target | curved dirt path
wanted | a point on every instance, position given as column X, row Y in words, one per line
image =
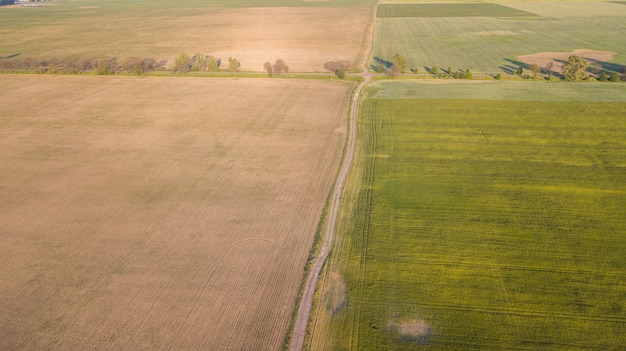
column 306, row 302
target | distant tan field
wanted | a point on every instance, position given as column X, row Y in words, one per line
column 160, row 213
column 305, row 38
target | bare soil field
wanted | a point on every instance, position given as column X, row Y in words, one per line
column 304, row 37
column 160, row 213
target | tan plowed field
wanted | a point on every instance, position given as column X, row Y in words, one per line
column 160, row 213
column 306, row 38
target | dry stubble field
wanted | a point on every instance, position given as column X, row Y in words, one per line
column 304, row 37
column 160, row 213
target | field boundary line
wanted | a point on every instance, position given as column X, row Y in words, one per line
column 306, row 303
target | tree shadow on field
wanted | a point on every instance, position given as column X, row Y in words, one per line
column 517, row 63
column 508, row 69
column 607, row 66
column 11, row 56
column 383, row 62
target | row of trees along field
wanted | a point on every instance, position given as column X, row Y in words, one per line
column 133, row 65
column 203, row 63
column 183, row 63
column 574, row 69
column 398, row 65
column 196, row 63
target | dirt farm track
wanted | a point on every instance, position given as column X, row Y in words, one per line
column 160, row 213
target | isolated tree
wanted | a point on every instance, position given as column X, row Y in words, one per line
column 449, row 71
column 334, row 66
column 574, row 68
column 148, row 64
column 468, row 74
column 340, row 73
column 498, row 76
column 548, row 69
column 534, row 69
column 104, row 68
column 280, row 66
column 182, row 63
column 393, row 71
column 199, row 62
column 213, row 64
column 268, row 68
column 519, row 70
column 233, row 65
column 604, row 77
column 380, row 68
column 129, row 64
column 614, row 77
column 434, row 70
column 399, row 62
column 138, row 69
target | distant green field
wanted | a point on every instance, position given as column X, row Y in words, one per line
column 483, row 225
column 489, row 44
column 448, row 10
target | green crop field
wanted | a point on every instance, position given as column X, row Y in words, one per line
column 448, row 10
column 481, row 225
column 491, row 44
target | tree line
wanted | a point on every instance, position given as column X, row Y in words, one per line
column 398, row 65
column 132, row 65
column 183, row 63
column 574, row 69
